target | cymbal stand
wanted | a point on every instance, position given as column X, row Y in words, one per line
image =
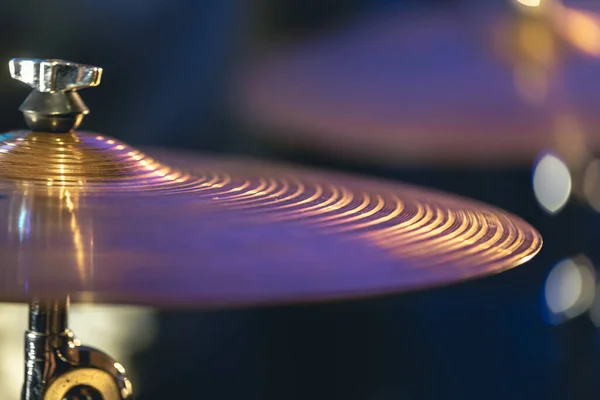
column 58, row 367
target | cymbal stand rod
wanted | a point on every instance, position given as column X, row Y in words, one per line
column 47, row 332
column 49, row 317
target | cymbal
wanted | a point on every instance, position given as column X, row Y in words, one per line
column 235, row 232
column 406, row 90
column 86, row 215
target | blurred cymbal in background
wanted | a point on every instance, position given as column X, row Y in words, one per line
column 433, row 90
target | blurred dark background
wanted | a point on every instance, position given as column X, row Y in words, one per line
column 173, row 70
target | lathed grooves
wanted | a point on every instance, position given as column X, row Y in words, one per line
column 195, row 222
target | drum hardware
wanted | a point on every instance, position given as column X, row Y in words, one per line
column 58, row 367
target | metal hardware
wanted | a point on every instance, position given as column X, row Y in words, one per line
column 58, row 367
column 54, row 104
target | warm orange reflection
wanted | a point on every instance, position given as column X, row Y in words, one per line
column 582, row 30
column 81, row 161
column 536, row 40
column 32, row 214
column 530, row 45
column 83, row 264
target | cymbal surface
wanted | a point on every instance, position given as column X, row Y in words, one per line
column 119, row 227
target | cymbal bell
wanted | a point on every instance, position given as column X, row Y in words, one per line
column 86, row 215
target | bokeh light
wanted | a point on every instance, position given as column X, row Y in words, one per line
column 530, row 3
column 552, row 183
column 570, row 289
column 591, row 184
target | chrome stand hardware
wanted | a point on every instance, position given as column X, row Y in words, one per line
column 58, row 367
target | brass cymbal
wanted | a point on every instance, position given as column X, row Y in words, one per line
column 107, row 223
column 86, row 215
